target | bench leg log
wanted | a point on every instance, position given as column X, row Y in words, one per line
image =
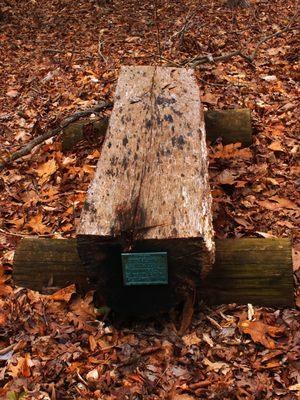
column 257, row 271
column 231, row 126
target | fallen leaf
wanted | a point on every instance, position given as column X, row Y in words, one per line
column 210, row 98
column 285, row 203
column 295, row 387
column 276, row 146
column 64, row 294
column 46, row 170
column 182, row 397
column 208, row 339
column 36, row 224
column 269, row 78
column 272, row 181
column 232, row 150
column 216, row 366
column 226, row 177
column 92, row 375
column 269, row 205
column 266, row 235
column 5, row 289
column 27, row 363
column 83, row 307
column 92, row 342
column 12, row 93
column 286, row 224
column 261, row 332
column 250, row 311
column 191, row 339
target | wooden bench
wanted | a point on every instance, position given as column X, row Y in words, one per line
column 145, row 238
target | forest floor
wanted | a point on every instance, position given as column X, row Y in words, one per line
column 59, row 56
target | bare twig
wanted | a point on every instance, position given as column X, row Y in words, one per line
column 24, row 151
column 100, row 48
column 61, row 51
column 222, row 84
column 157, row 28
column 195, row 61
column 264, row 39
column 23, row 235
column 186, row 25
column 54, row 51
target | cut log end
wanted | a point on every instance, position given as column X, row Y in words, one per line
column 231, row 126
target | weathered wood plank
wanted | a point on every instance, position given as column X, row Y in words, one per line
column 267, row 282
column 150, row 191
column 153, row 168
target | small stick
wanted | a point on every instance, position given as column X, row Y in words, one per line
column 54, row 51
column 24, row 151
column 157, row 28
column 100, row 47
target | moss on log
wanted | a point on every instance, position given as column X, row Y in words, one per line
column 257, row 271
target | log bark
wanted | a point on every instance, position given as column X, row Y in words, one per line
column 150, row 192
column 257, row 271
column 230, row 125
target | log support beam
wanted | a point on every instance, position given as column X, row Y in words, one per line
column 257, row 271
column 231, row 126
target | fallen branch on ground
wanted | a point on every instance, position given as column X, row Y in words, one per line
column 195, row 61
column 58, row 51
column 24, row 151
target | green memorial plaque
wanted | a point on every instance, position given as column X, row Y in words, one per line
column 145, row 268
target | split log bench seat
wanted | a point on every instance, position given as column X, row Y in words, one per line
column 150, row 194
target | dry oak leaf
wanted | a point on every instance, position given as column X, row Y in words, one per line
column 295, row 387
column 226, row 177
column 284, row 203
column 45, row 170
column 83, row 307
column 232, row 150
column 22, row 368
column 4, row 289
column 12, row 93
column 191, row 339
column 216, row 366
column 278, row 203
column 261, row 332
column 276, row 146
column 64, row 294
column 3, row 318
column 37, row 225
